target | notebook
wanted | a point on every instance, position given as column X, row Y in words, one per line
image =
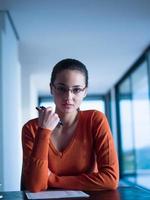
column 56, row 194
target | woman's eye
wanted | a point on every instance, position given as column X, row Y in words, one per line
column 61, row 89
column 76, row 90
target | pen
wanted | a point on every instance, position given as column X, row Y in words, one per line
column 60, row 123
column 41, row 107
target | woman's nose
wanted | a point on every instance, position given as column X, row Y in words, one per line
column 69, row 94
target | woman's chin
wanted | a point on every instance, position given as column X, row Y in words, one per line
column 68, row 109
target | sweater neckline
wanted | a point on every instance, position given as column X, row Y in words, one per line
column 71, row 142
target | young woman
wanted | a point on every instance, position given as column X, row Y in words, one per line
column 68, row 148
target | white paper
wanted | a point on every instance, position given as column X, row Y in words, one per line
column 55, row 194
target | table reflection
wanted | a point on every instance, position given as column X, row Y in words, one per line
column 1, row 196
column 104, row 195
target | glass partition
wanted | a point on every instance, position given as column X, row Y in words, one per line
column 133, row 95
column 126, row 122
column 89, row 103
column 141, row 116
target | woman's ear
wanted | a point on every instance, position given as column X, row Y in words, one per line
column 51, row 90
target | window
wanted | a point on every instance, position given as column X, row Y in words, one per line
column 133, row 103
column 93, row 103
column 141, row 116
column 90, row 102
column 126, row 123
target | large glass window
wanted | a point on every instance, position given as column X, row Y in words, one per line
column 89, row 103
column 93, row 103
column 126, row 124
column 141, row 116
column 133, row 94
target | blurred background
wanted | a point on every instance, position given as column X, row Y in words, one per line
column 112, row 38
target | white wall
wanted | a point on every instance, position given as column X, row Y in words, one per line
column 25, row 95
column 1, row 138
column 33, row 96
column 11, row 107
column 29, row 95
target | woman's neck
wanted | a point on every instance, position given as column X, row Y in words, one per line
column 68, row 119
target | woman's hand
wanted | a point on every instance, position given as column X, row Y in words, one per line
column 47, row 118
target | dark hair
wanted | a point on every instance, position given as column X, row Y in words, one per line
column 70, row 64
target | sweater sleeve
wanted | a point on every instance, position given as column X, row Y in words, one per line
column 35, row 158
column 107, row 175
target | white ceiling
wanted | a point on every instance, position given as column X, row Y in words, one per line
column 107, row 35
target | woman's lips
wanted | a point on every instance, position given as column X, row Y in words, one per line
column 67, row 104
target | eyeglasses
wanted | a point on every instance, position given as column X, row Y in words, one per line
column 60, row 89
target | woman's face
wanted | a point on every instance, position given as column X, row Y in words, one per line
column 68, row 90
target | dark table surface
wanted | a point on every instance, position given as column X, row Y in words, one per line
column 122, row 193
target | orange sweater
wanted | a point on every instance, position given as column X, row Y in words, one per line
column 89, row 162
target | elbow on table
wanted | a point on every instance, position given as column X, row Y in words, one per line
column 108, row 186
column 113, row 180
column 35, row 188
column 113, row 184
column 109, row 183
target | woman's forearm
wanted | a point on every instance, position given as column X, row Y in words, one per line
column 35, row 162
